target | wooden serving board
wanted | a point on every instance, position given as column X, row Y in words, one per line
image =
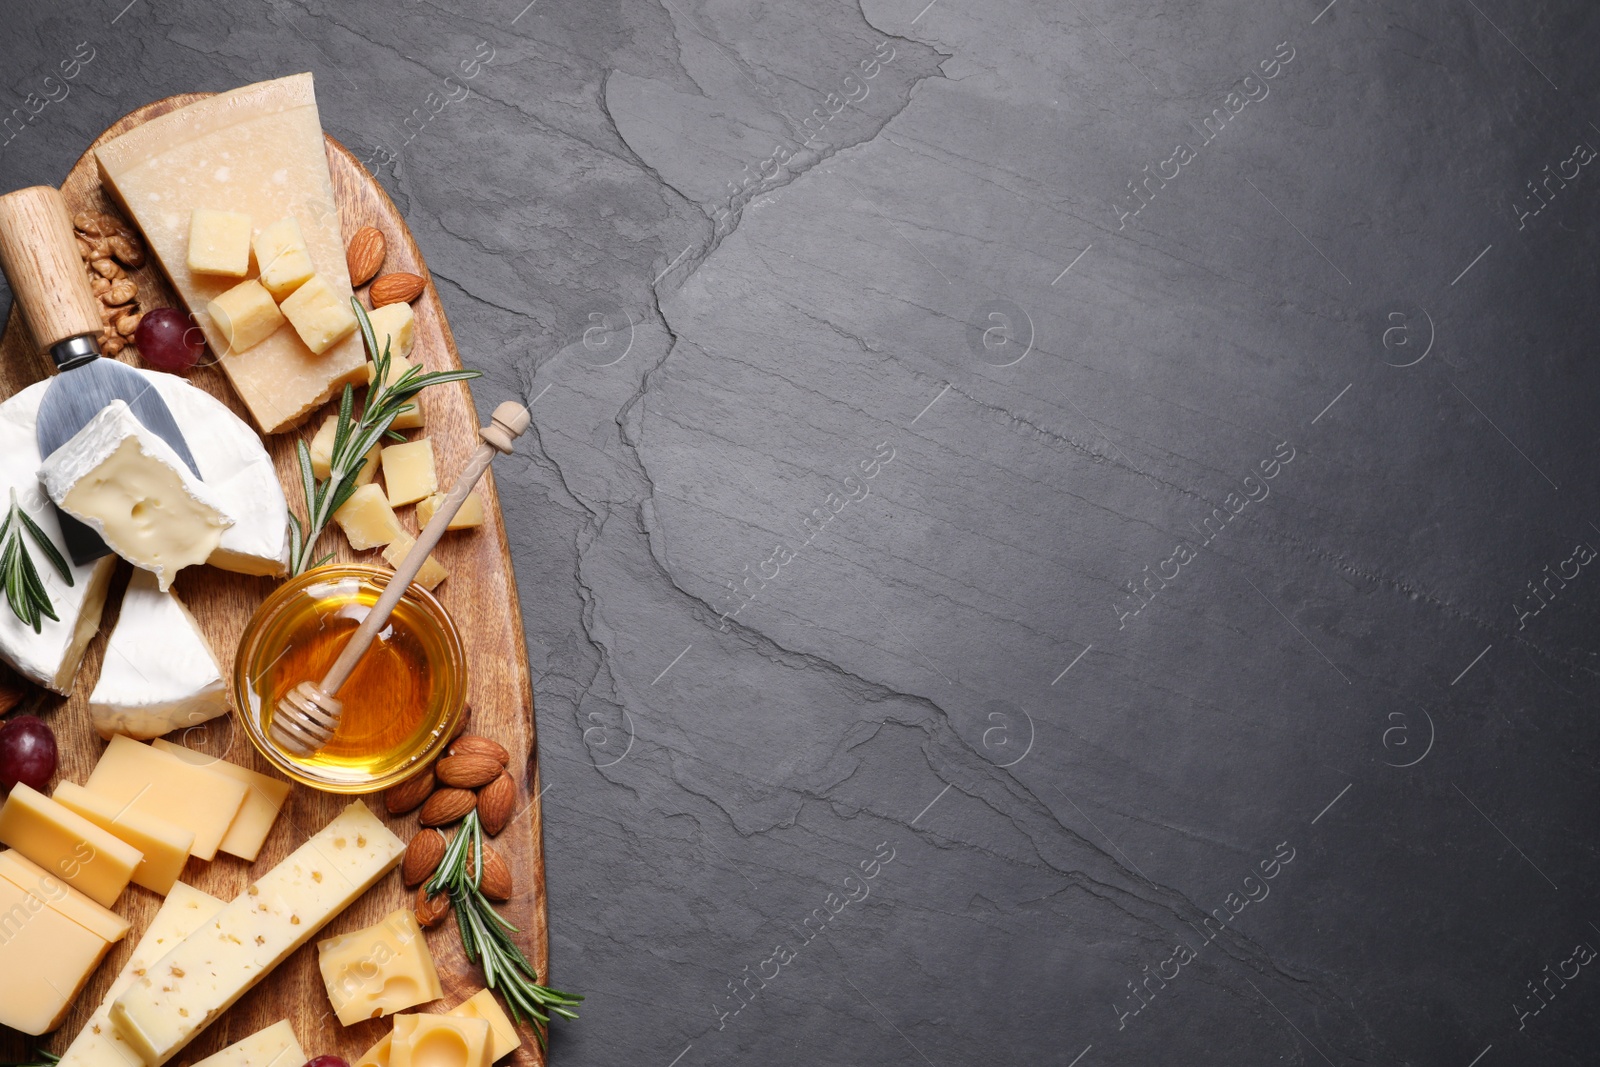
column 480, row 594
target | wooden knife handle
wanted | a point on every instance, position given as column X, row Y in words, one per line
column 39, row 253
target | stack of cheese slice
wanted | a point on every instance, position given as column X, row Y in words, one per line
column 235, row 469
column 258, row 151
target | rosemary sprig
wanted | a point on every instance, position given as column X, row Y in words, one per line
column 353, row 438
column 486, row 935
column 25, row 592
column 39, row 1058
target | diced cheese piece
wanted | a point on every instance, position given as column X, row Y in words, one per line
column 320, row 313
column 45, row 960
column 367, row 519
column 321, row 449
column 258, row 149
column 245, row 316
column 282, row 259
column 50, row 657
column 378, row 970
column 408, row 472
column 432, row 572
column 503, row 1036
column 93, row 861
column 99, row 920
column 470, row 513
column 164, row 846
column 249, row 829
column 130, row 487
column 182, row 913
column 276, row 1046
column 440, row 1041
column 159, row 673
column 162, row 785
column 394, row 325
column 189, row 987
column 219, row 242
column 378, row 1054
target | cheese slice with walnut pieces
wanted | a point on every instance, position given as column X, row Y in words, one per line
column 182, row 913
column 182, row 993
column 257, row 150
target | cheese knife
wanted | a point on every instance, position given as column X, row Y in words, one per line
column 39, row 254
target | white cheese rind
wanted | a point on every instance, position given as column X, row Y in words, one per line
column 159, row 673
column 127, row 484
column 164, row 1009
column 183, row 912
column 50, row 657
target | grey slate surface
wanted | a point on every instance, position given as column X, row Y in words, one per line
column 991, row 516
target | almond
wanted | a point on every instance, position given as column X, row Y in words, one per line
column 396, row 288
column 431, row 911
column 365, row 255
column 447, row 806
column 422, row 857
column 410, row 793
column 468, row 770
column 475, row 745
column 495, row 801
column 496, row 883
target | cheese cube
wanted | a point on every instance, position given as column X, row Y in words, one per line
column 202, row 976
column 321, row 449
column 165, row 846
column 246, row 315
column 379, row 970
column 249, row 829
column 468, row 515
column 320, row 314
column 45, row 960
column 378, row 1054
column 408, row 472
column 410, row 417
column 276, row 1046
column 101, row 921
column 440, row 1041
column 432, row 572
column 503, row 1035
column 367, row 519
column 130, row 487
column 93, row 861
column 158, row 673
column 219, row 242
column 394, row 325
column 282, row 259
column 148, row 780
column 97, row 1044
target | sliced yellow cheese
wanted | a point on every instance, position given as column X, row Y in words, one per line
column 101, row 921
column 321, row 449
column 182, row 913
column 45, row 961
column 282, row 259
column 408, row 472
column 249, row 829
column 470, row 513
column 219, row 242
column 367, row 519
column 379, row 970
column 93, row 861
column 165, row 846
column 432, row 572
column 192, row 985
column 245, row 316
column 275, row 1046
column 148, row 780
column 320, row 313
column 503, row 1034
column 440, row 1041
column 259, row 150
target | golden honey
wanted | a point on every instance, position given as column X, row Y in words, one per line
column 401, row 704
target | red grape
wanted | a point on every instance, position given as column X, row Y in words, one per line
column 326, row 1061
column 27, row 752
column 169, row 341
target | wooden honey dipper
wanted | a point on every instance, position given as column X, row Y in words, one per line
column 308, row 715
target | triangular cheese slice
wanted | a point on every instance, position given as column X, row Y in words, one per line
column 159, row 673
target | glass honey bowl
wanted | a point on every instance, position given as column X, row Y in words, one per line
column 403, row 702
